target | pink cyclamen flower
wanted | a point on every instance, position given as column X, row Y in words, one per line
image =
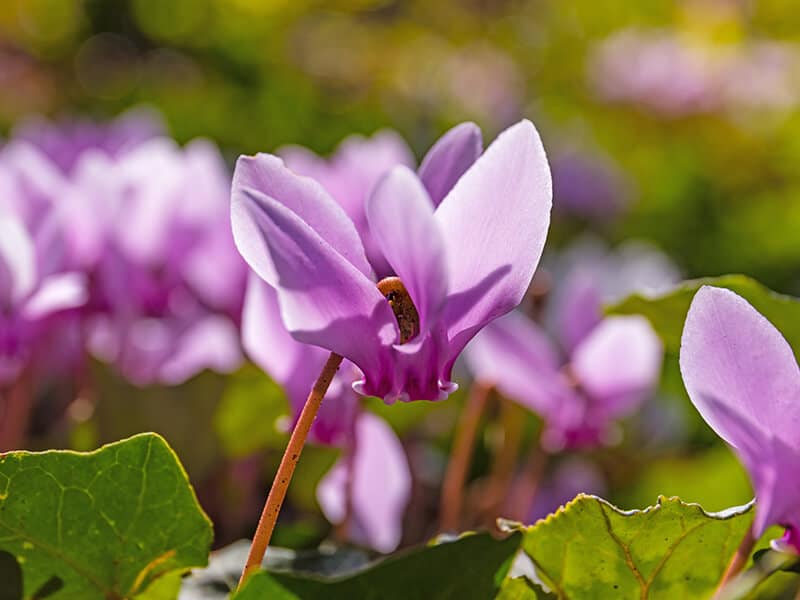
column 743, row 378
column 463, row 263
column 374, row 470
column 31, row 295
column 606, row 377
column 168, row 283
column 380, row 486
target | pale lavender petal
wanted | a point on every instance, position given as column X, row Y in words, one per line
column 324, row 299
column 212, row 343
column 400, row 215
column 57, row 293
column 731, row 353
column 495, row 221
column 513, row 354
column 304, row 197
column 449, row 158
column 17, row 262
column 264, row 336
column 381, row 486
column 578, row 307
column 619, row 363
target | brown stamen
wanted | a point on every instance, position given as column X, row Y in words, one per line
column 402, row 306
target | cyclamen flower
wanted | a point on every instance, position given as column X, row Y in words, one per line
column 462, row 263
column 586, row 371
column 380, row 486
column 604, row 379
column 31, row 295
column 374, row 458
column 743, row 378
column 168, row 284
column 296, row 366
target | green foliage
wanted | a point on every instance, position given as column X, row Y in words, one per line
column 100, row 525
column 667, row 313
column 591, row 549
column 518, row 588
column 473, row 566
column 248, row 416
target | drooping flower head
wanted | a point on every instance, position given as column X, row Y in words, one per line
column 606, row 378
column 460, row 264
column 373, row 474
column 743, row 378
column 585, row 371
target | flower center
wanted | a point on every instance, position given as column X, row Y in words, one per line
column 402, row 306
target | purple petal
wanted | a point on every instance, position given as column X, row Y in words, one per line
column 400, row 215
column 324, row 299
column 619, row 363
column 731, row 353
column 212, row 343
column 17, row 262
column 381, row 486
column 578, row 307
column 513, row 354
column 57, row 293
column 449, row 158
column 495, row 222
column 302, row 196
column 296, row 366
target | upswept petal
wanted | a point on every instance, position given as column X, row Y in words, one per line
column 449, row 158
column 324, row 299
column 516, row 356
column 56, row 293
column 264, row 337
column 212, row 343
column 381, row 486
column 619, row 363
column 302, row 196
column 730, row 352
column 400, row 215
column 494, row 222
column 17, row 262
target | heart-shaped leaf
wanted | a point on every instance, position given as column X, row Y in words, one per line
column 100, row 525
column 591, row 549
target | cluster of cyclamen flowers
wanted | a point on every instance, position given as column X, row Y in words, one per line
column 117, row 243
column 114, row 245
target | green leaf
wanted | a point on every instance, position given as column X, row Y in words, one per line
column 518, row 588
column 591, row 549
column 105, row 524
column 249, row 414
column 667, row 313
column 473, row 566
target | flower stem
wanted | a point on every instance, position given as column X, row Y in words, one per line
column 15, row 411
column 738, row 561
column 461, row 456
column 502, row 471
column 532, row 472
column 280, row 484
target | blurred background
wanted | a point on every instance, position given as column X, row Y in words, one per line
column 673, row 123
